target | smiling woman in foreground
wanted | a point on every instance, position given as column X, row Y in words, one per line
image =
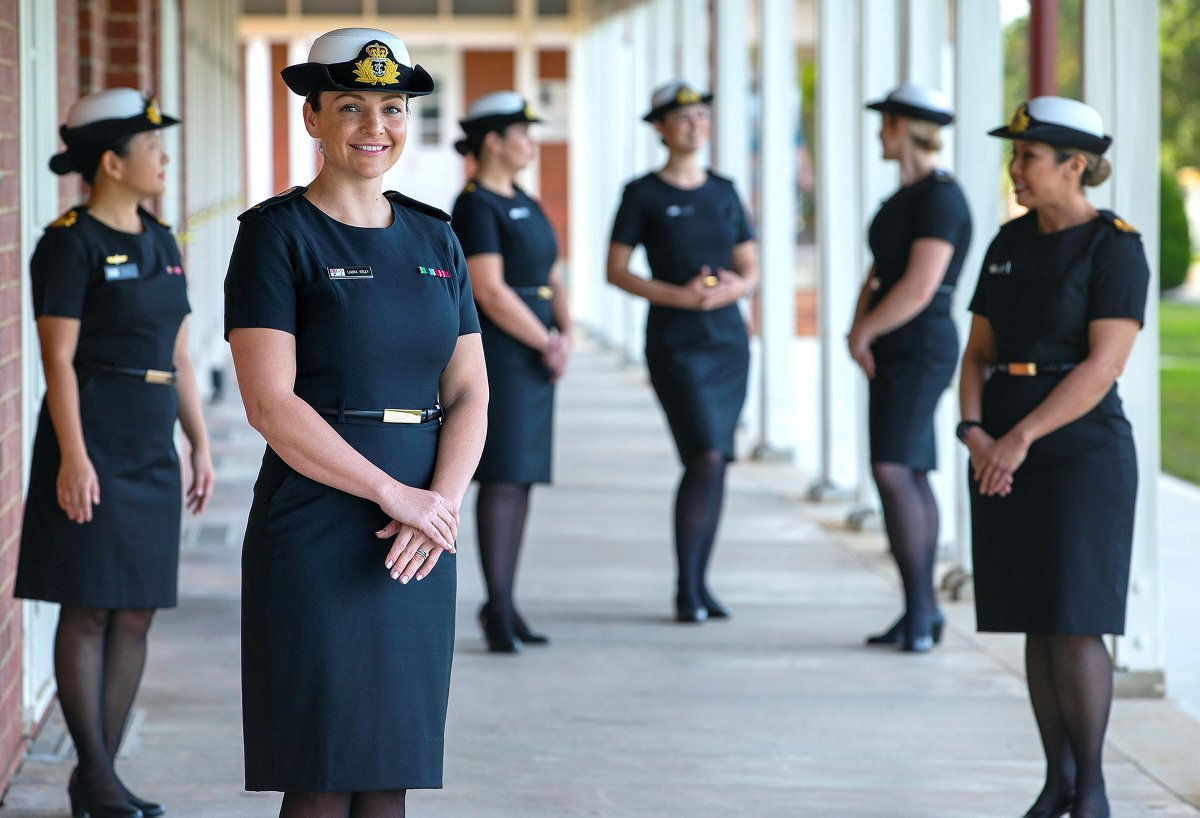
column 357, row 348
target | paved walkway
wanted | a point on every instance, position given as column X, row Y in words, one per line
column 778, row 712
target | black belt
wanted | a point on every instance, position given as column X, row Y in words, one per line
column 1029, row 370
column 159, row 376
column 544, row 292
column 407, row 416
column 876, row 283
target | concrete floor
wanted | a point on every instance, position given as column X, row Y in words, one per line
column 778, row 712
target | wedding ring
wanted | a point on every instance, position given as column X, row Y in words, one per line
column 422, row 554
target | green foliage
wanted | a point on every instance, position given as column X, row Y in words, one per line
column 1179, row 381
column 1070, row 50
column 1179, row 331
column 1174, row 240
column 1179, row 42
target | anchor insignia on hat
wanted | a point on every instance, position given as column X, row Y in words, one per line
column 687, row 96
column 152, row 112
column 377, row 68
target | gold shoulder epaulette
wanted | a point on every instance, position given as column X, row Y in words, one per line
column 65, row 220
column 1123, row 225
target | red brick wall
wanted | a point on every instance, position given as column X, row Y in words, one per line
column 93, row 46
column 279, row 119
column 555, row 171
column 11, row 740
column 129, row 29
column 71, row 46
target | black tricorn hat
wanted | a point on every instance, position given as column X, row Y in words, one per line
column 98, row 120
column 1058, row 121
column 358, row 59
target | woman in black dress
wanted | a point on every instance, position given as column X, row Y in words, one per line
column 1059, row 303
column 357, row 349
column 526, row 328
column 906, row 343
column 101, row 527
column 702, row 259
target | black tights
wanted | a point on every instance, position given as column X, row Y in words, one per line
column 500, row 511
column 1071, row 686
column 697, row 514
column 99, row 656
column 910, row 516
column 373, row 804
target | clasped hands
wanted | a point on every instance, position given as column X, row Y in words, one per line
column 702, row 295
column 556, row 354
column 858, row 341
column 423, row 521
column 993, row 462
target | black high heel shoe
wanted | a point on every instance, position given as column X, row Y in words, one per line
column 921, row 634
column 498, row 633
column 689, row 612
column 714, row 607
column 1062, row 807
column 527, row 635
column 83, row 808
column 148, row 808
column 895, row 634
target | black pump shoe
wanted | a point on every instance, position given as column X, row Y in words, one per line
column 1055, row 810
column 498, row 633
column 922, row 634
column 148, row 808
column 692, row 614
column 895, row 634
column 526, row 634
column 82, row 808
column 715, row 609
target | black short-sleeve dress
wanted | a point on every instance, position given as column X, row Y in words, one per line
column 345, row 672
column 519, row 447
column 915, row 362
column 699, row 362
column 129, row 294
column 1053, row 556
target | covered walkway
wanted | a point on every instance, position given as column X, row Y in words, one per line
column 778, row 712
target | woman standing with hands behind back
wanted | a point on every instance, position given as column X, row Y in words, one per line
column 702, row 260
column 1059, row 304
column 526, row 329
column 350, row 317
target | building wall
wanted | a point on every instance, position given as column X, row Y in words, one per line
column 11, row 739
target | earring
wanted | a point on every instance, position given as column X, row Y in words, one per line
column 320, row 147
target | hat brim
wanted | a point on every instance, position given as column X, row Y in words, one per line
column 95, row 136
column 891, row 106
column 658, row 113
column 496, row 122
column 304, row 78
column 1059, row 136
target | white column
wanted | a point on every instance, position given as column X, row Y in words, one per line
column 1121, row 69
column 923, row 41
column 259, row 82
column 525, row 80
column 978, row 106
column 730, row 89
column 169, row 96
column 839, row 240
column 692, row 40
column 778, row 108
column 586, row 264
column 302, row 159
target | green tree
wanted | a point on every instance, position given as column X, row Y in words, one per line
column 1174, row 243
column 1179, row 42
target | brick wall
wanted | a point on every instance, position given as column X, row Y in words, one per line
column 92, row 31
column 71, row 47
column 129, row 29
column 11, row 741
column 280, row 156
column 555, row 171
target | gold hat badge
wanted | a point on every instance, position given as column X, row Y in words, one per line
column 377, row 68
column 152, row 112
column 1020, row 120
column 686, row 96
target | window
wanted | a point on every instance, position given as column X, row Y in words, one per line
column 407, row 6
column 506, row 7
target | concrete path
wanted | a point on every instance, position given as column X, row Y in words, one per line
column 778, row 712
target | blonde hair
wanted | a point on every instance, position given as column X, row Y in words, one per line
column 1094, row 173
column 926, row 136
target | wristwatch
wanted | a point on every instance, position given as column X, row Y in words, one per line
column 963, row 429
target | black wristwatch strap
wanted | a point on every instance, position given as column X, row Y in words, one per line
column 964, row 429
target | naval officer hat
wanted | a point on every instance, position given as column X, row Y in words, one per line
column 1057, row 121
column 97, row 121
column 672, row 95
column 916, row 102
column 358, row 59
column 493, row 112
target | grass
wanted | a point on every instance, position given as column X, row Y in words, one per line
column 1179, row 374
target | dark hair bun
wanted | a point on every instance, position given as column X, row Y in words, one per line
column 463, row 146
column 62, row 163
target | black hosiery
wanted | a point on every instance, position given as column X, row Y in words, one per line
column 1083, row 685
column 697, row 515
column 910, row 518
column 315, row 805
column 124, row 661
column 1060, row 760
column 378, row 804
column 500, row 511
column 79, row 661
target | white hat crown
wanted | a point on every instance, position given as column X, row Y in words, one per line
column 497, row 103
column 919, row 96
column 1069, row 113
column 114, row 103
column 669, row 92
column 344, row 44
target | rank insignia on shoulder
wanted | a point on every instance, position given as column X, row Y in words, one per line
column 1123, row 225
column 65, row 220
column 470, row 188
column 433, row 271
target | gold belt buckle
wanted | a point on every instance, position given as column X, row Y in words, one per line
column 401, row 415
column 545, row 293
column 1026, row 370
column 711, row 281
column 159, row 376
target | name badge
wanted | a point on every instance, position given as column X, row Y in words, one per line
column 518, row 213
column 676, row 211
column 999, row 268
column 120, row 272
column 343, row 273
